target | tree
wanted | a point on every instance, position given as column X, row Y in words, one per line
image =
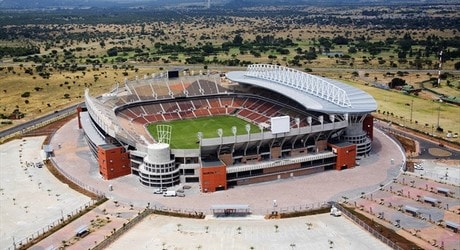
column 406, row 42
column 310, row 55
column 325, row 43
column 374, row 50
column 352, row 50
column 340, row 40
column 112, row 52
column 237, row 40
column 396, row 82
column 457, row 66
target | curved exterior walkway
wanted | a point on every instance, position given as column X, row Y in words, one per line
column 75, row 159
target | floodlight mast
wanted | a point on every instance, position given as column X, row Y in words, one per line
column 248, row 129
column 234, row 131
column 220, row 132
column 440, row 69
column 332, row 118
column 309, row 121
column 199, row 135
column 261, row 127
column 297, row 123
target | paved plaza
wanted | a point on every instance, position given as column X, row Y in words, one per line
column 31, row 197
column 160, row 232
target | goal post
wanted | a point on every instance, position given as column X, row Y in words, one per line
column 164, row 133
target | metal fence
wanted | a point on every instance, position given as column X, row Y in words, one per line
column 291, row 209
column 361, row 223
column 18, row 244
column 117, row 233
column 255, row 211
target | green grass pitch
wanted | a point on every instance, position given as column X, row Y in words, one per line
column 184, row 132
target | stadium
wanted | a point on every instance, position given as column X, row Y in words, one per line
column 266, row 123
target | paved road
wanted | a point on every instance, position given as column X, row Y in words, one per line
column 23, row 126
column 424, row 143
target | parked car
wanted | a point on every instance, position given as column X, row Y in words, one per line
column 418, row 166
column 170, row 194
column 160, row 190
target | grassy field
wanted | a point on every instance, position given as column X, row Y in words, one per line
column 398, row 107
column 64, row 87
column 184, row 132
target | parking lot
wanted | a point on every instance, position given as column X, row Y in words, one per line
column 414, row 204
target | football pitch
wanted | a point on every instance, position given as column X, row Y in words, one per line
column 184, row 132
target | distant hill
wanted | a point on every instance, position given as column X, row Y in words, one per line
column 62, row 4
column 49, row 4
column 249, row 3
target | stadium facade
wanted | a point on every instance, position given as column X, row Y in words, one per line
column 307, row 124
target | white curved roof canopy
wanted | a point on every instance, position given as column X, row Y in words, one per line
column 313, row 92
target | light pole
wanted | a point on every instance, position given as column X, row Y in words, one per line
column 234, row 130
column 411, row 107
column 332, row 118
column 439, row 113
column 248, row 129
column 321, row 120
column 199, row 135
column 261, row 131
column 220, row 132
column 297, row 123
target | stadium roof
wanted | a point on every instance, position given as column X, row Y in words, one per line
column 313, row 92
